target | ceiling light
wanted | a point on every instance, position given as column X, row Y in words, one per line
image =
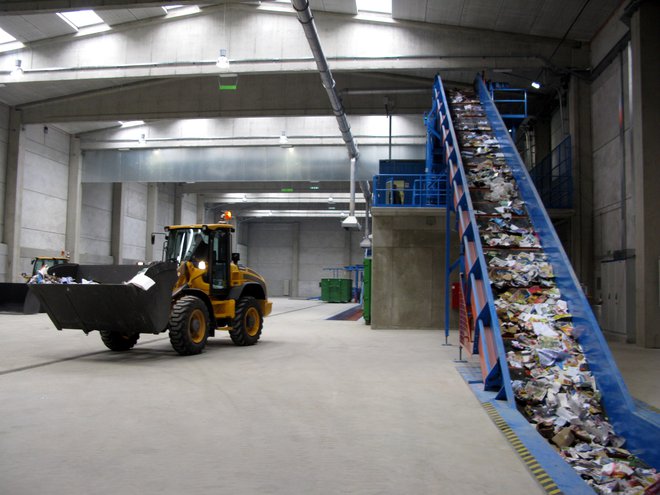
column 177, row 10
column 131, row 123
column 80, row 18
column 17, row 71
column 223, row 60
column 5, row 37
column 536, row 85
column 377, row 6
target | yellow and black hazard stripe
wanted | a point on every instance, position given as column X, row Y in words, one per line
column 530, row 461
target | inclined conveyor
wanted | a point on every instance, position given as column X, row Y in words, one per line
column 481, row 332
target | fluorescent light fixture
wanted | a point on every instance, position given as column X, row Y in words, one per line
column 5, row 37
column 177, row 10
column 223, row 60
column 374, row 6
column 536, row 85
column 283, row 138
column 131, row 123
column 80, row 18
column 17, row 71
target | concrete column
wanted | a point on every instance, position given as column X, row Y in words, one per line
column 178, row 204
column 152, row 221
column 118, row 208
column 74, row 201
column 14, row 196
column 582, row 242
column 645, row 39
column 201, row 209
column 295, row 262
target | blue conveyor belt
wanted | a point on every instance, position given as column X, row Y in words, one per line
column 639, row 427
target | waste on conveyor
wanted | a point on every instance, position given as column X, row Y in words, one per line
column 553, row 386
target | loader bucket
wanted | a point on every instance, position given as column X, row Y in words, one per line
column 15, row 298
column 111, row 304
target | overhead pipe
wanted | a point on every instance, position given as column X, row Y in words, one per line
column 306, row 19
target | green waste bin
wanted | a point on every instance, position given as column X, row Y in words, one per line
column 336, row 290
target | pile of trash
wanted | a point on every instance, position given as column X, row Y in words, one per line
column 553, row 386
column 43, row 277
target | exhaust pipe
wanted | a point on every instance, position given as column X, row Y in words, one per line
column 306, row 19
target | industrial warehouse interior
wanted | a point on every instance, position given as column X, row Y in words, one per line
column 329, row 246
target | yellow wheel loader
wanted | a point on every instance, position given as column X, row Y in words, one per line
column 198, row 289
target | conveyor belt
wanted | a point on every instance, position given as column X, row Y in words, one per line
column 526, row 316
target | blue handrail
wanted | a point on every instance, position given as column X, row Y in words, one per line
column 410, row 190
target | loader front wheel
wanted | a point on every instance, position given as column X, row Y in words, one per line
column 248, row 322
column 117, row 341
column 189, row 326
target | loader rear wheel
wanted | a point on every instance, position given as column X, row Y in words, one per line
column 117, row 341
column 189, row 326
column 248, row 322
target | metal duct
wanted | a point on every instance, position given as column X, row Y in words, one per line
column 307, row 20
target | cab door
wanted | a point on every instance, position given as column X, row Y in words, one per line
column 220, row 249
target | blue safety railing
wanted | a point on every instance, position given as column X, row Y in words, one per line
column 410, row 190
column 553, row 176
column 511, row 102
column 472, row 263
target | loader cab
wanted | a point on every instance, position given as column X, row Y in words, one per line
column 47, row 261
column 208, row 248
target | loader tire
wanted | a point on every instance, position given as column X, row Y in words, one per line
column 248, row 322
column 189, row 326
column 117, row 341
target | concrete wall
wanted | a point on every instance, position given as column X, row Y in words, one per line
column 409, row 269
column 96, row 224
column 611, row 153
column 45, row 192
column 291, row 255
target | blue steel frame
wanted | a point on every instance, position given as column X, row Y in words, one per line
column 478, row 294
column 641, row 428
column 553, row 176
column 522, row 101
column 425, row 191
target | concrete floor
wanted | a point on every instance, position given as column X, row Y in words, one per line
column 317, row 407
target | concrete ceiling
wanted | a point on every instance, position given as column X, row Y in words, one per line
column 150, row 66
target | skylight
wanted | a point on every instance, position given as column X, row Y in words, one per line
column 81, row 18
column 374, row 6
column 176, row 10
column 5, row 37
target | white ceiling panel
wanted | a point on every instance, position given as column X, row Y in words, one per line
column 480, row 13
column 121, row 16
column 338, row 6
column 518, row 16
column 445, row 12
column 410, row 10
column 555, row 17
column 593, row 18
column 35, row 27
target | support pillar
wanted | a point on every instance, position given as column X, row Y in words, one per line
column 152, row 222
column 178, row 204
column 295, row 262
column 645, row 40
column 118, row 208
column 201, row 209
column 74, row 201
column 582, row 243
column 14, row 196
